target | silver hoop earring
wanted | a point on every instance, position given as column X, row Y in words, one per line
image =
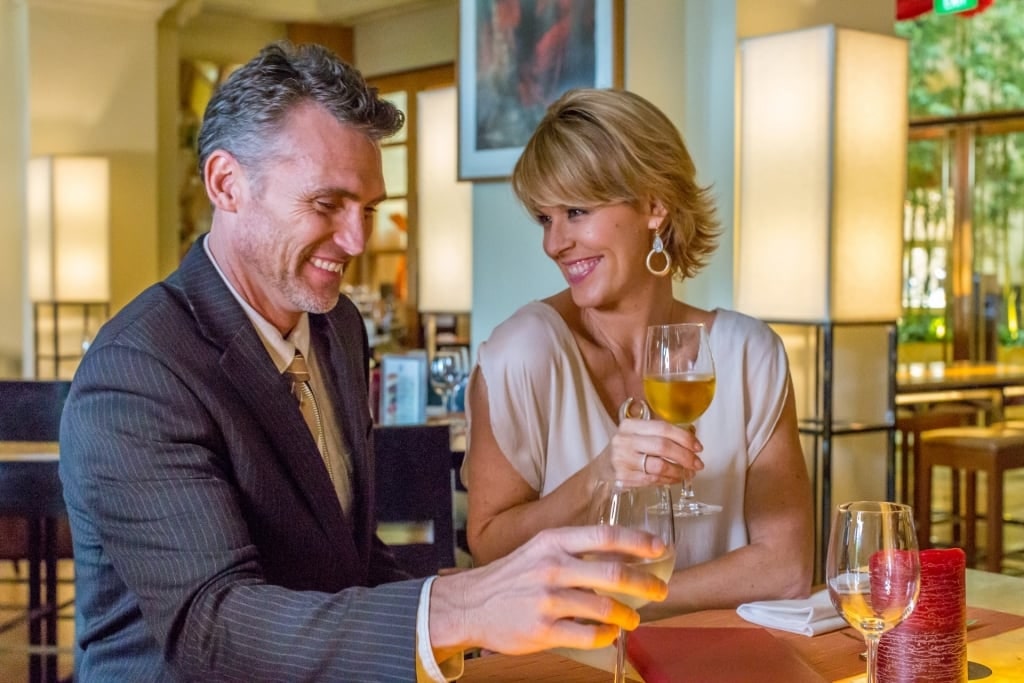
column 658, row 248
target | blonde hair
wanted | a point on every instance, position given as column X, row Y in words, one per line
column 602, row 146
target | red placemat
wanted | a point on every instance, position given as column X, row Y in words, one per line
column 715, row 655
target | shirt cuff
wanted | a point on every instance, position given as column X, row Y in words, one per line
column 428, row 668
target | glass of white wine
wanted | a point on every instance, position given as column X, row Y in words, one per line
column 872, row 569
column 647, row 508
column 679, row 383
column 445, row 373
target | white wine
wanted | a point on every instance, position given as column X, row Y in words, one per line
column 857, row 608
column 660, row 567
column 679, row 398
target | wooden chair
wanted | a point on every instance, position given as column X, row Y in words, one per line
column 33, row 526
column 992, row 450
column 414, row 485
column 912, row 422
column 30, row 410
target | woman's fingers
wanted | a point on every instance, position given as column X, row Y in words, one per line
column 654, row 452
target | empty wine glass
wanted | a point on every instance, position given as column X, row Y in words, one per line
column 445, row 374
column 679, row 383
column 646, row 508
column 873, row 570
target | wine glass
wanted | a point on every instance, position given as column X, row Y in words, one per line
column 679, row 383
column 445, row 374
column 873, row 570
column 646, row 508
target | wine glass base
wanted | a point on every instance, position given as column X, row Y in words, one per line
column 694, row 508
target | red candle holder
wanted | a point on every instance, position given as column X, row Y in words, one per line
column 930, row 646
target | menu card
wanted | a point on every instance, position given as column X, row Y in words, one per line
column 714, row 655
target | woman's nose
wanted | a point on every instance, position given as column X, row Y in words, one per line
column 556, row 237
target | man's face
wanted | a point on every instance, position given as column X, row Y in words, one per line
column 308, row 213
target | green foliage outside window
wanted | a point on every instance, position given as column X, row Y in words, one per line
column 966, row 66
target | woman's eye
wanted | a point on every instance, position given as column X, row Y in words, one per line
column 543, row 219
column 576, row 213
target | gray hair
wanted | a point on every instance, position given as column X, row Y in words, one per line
column 247, row 110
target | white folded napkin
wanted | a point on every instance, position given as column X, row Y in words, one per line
column 808, row 617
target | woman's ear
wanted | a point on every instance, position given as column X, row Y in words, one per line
column 224, row 178
column 656, row 214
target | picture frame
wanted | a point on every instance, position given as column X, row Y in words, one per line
column 513, row 64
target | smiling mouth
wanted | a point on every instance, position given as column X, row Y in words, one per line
column 329, row 266
column 580, row 269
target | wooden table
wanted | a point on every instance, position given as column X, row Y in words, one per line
column 30, row 488
column 923, row 383
column 834, row 655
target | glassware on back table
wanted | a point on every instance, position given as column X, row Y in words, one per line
column 445, row 374
column 873, row 569
column 647, row 508
column 679, row 383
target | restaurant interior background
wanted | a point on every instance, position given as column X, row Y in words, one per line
column 123, row 82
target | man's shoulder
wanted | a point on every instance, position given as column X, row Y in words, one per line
column 158, row 313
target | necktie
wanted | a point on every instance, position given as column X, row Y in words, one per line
column 298, row 372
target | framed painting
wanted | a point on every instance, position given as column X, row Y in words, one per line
column 518, row 56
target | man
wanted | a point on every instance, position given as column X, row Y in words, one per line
column 221, row 533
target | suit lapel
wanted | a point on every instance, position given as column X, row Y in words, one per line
column 247, row 369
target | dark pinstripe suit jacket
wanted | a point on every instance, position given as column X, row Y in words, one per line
column 209, row 545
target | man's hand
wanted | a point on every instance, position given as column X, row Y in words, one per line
column 536, row 597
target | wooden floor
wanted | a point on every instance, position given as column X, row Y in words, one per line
column 13, row 595
column 13, row 598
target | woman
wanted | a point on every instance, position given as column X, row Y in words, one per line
column 609, row 180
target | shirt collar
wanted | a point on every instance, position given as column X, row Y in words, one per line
column 280, row 348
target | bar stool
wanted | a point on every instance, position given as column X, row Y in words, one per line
column 992, row 450
column 912, row 422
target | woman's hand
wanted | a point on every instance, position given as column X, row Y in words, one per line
column 644, row 452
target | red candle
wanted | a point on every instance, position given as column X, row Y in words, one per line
column 930, row 646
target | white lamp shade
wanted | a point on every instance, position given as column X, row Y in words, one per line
column 822, row 159
column 445, row 228
column 69, row 229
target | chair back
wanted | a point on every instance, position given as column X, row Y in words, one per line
column 30, row 409
column 413, row 471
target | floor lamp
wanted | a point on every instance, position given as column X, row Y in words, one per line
column 821, row 184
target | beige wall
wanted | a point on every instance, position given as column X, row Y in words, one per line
column 85, row 71
column 757, row 17
column 410, row 41
column 103, row 101
column 225, row 40
column 13, row 153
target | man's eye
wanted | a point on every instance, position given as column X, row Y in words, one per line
column 325, row 205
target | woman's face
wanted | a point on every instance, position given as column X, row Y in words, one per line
column 600, row 250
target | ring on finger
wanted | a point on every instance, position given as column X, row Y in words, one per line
column 643, row 463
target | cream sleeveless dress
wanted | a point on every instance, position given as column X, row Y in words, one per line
column 549, row 421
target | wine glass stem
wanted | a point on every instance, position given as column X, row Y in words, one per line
column 872, row 643
column 687, row 490
column 619, row 675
